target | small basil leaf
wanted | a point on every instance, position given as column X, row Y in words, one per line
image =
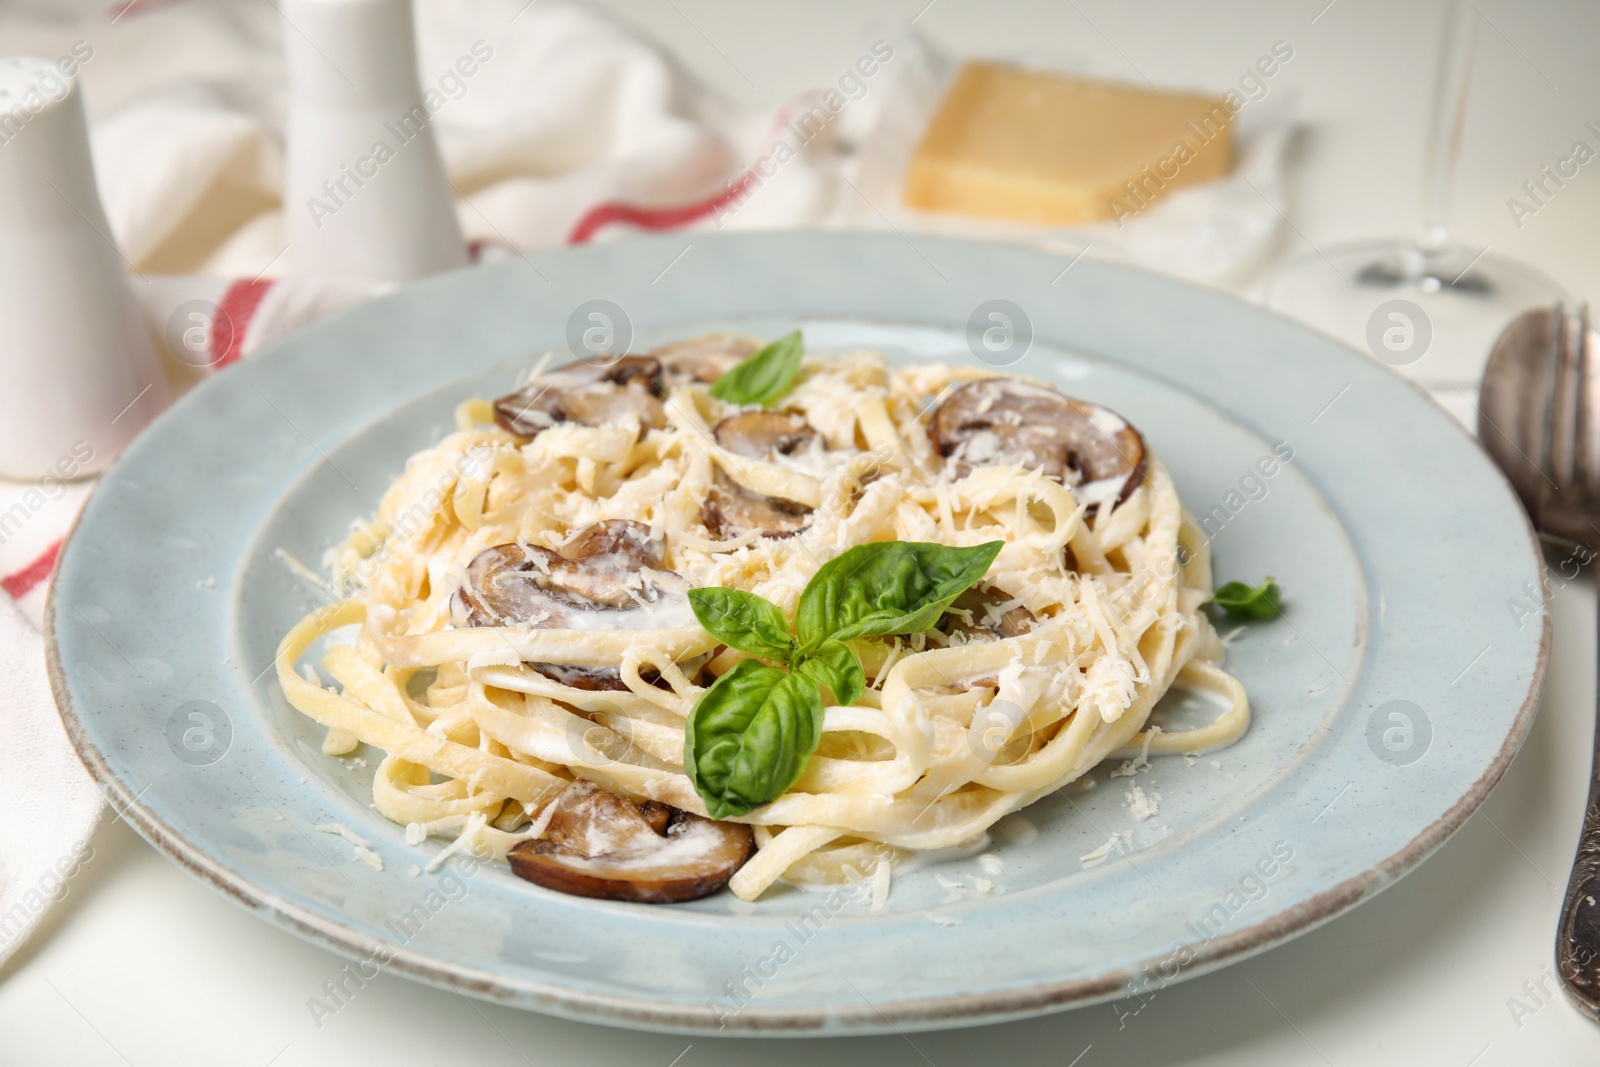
column 744, row 621
column 749, row 737
column 764, row 375
column 887, row 587
column 835, row 666
column 1249, row 601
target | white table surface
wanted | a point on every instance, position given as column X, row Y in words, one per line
column 142, row 964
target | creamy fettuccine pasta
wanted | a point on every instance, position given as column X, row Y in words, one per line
column 522, row 619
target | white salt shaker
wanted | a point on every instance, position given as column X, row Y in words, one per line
column 366, row 196
column 79, row 375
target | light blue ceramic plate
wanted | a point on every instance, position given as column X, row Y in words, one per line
column 1388, row 700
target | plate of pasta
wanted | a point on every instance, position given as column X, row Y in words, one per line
column 837, row 636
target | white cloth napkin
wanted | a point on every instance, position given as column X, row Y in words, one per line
column 51, row 804
column 573, row 129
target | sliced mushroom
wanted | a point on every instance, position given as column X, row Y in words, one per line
column 1089, row 449
column 598, row 578
column 587, row 394
column 603, row 562
column 601, row 845
column 983, row 610
column 702, row 359
column 731, row 509
column 765, row 436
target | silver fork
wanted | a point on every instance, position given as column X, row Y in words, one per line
column 1539, row 418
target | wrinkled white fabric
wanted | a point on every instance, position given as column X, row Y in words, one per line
column 51, row 804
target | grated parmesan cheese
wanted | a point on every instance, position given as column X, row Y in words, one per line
column 301, row 571
column 1142, row 760
column 341, row 830
column 1143, row 805
column 1101, row 854
column 880, row 885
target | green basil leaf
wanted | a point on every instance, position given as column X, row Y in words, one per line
column 744, row 621
column 1249, row 601
column 749, row 737
column 887, row 587
column 836, row 666
column 764, row 375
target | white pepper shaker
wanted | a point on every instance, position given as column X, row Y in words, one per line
column 366, row 197
column 79, row 375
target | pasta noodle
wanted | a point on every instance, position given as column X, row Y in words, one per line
column 958, row 726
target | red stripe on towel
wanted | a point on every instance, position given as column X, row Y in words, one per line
column 234, row 313
column 18, row 585
column 654, row 218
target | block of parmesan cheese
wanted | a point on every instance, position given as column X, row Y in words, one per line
column 1053, row 149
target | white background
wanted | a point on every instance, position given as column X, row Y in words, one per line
column 144, row 965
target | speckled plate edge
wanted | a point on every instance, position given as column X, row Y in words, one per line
column 935, row 1012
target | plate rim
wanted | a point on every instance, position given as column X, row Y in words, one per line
column 957, row 1008
column 755, row 1019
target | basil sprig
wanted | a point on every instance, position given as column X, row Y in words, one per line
column 764, row 375
column 744, row 621
column 750, row 735
column 835, row 666
column 1249, row 601
column 888, row 587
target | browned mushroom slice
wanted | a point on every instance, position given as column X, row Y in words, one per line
column 1091, row 450
column 702, row 359
column 602, row 563
column 590, row 395
column 601, row 569
column 731, row 509
column 984, row 610
column 617, row 537
column 762, row 435
column 601, row 845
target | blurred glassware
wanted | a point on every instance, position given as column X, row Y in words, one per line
column 79, row 376
column 366, row 196
column 1428, row 306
